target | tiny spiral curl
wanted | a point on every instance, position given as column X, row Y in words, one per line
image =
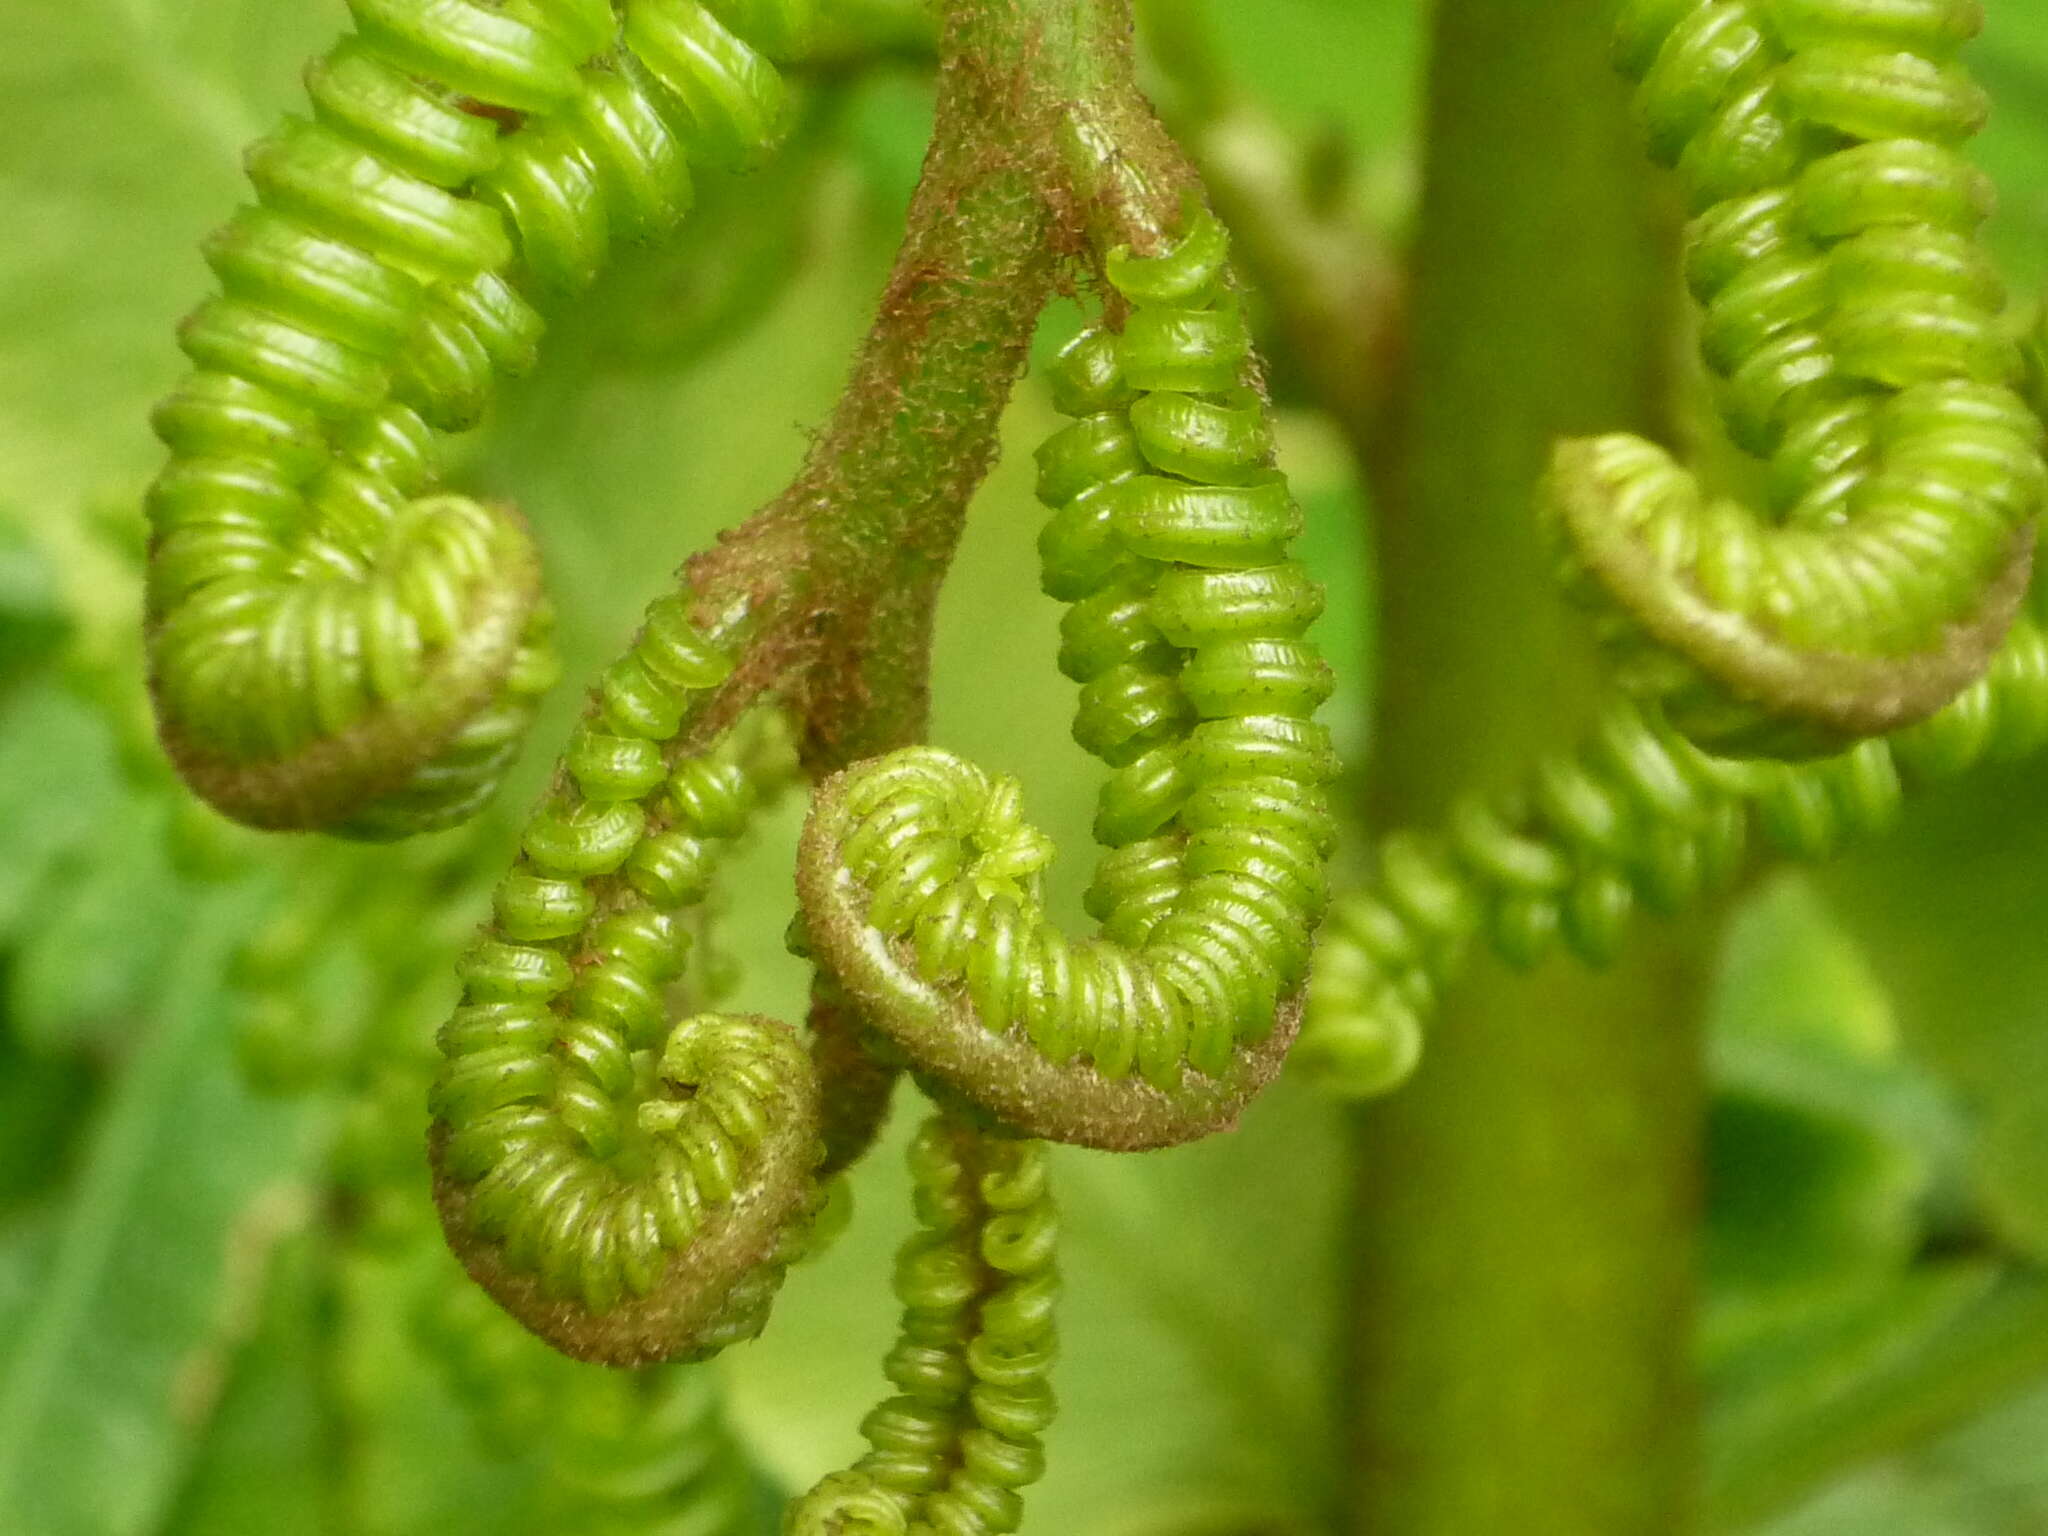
column 335, row 642
column 952, row 1451
column 1853, row 324
column 1636, row 818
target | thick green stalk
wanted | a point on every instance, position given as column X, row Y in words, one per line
column 884, row 495
column 1521, row 1265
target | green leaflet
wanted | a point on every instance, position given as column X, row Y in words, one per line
column 1830, row 1153
column 158, row 1266
column 1944, row 910
column 118, row 900
column 101, row 263
column 57, row 784
column 269, row 1461
column 1897, row 1371
column 1836, row 1326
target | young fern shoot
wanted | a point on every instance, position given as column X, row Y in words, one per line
column 1854, row 326
column 1198, row 688
column 334, row 642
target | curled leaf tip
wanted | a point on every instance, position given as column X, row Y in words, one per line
column 1856, row 332
column 335, row 642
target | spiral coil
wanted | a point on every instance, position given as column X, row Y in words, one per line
column 334, row 642
column 1853, row 324
column 951, row 1452
column 1187, row 635
column 1636, row 818
column 629, row 1190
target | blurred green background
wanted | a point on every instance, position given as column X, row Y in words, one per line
column 213, row 1234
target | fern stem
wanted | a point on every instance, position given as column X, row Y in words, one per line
column 1520, row 1260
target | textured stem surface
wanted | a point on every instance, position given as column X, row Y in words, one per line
column 1520, row 1254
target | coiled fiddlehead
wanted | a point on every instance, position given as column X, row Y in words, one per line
column 952, row 1450
column 627, row 1190
column 1198, row 687
column 1853, row 323
column 1637, row 817
column 333, row 641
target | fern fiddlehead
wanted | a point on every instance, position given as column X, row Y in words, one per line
column 333, row 641
column 1637, row 818
column 1856, row 333
column 573, row 1166
column 953, row 1449
column 629, row 1187
column 1198, row 688
column 1853, row 323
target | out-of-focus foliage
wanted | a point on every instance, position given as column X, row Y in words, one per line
column 215, row 1251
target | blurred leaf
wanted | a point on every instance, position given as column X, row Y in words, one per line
column 1827, row 1338
column 265, row 1465
column 417, row 1461
column 1337, row 549
column 2012, row 63
column 28, row 1241
column 33, row 620
column 90, row 964
column 1799, row 1199
column 121, row 129
column 1791, row 975
column 1949, row 911
column 158, row 1270
column 1881, row 1378
column 1824, row 1145
column 43, row 1104
column 888, row 125
column 58, row 786
column 1199, row 1329
column 1352, row 62
column 1882, row 1503
column 1986, row 1479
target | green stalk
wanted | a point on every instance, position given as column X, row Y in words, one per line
column 1521, row 1258
column 1026, row 89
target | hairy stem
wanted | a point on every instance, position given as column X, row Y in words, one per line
column 1520, row 1262
column 1024, row 87
column 885, row 495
